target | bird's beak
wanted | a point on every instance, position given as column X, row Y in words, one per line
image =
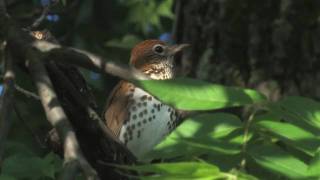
column 177, row 48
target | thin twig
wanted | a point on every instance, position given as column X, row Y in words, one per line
column 40, row 19
column 26, row 92
column 73, row 156
column 246, row 137
column 23, row 91
column 6, row 101
column 44, row 13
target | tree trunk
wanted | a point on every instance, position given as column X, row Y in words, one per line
column 271, row 45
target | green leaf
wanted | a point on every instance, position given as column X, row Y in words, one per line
column 164, row 9
column 292, row 135
column 13, row 147
column 21, row 166
column 314, row 167
column 191, row 94
column 301, row 111
column 205, row 133
column 127, row 42
column 54, row 162
column 238, row 175
column 6, row 177
column 278, row 161
column 64, row 2
column 181, row 170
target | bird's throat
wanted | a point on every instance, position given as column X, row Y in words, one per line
column 159, row 71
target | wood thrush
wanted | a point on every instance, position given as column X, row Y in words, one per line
column 138, row 119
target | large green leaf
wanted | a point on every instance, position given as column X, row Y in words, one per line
column 278, row 161
column 191, row 94
column 291, row 134
column 181, row 170
column 314, row 167
column 301, row 111
column 205, row 133
column 185, row 171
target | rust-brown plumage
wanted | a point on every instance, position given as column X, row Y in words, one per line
column 127, row 103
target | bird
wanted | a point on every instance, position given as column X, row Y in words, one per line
column 135, row 117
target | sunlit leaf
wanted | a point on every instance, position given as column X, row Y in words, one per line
column 291, row 134
column 278, row 161
column 235, row 174
column 205, row 133
column 314, row 167
column 181, row 170
column 190, row 94
column 301, row 111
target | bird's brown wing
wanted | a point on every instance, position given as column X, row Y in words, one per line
column 116, row 110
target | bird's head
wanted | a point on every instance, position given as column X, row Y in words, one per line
column 155, row 58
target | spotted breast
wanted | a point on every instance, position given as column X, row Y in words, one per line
column 137, row 118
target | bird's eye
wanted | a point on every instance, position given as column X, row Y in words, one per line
column 158, row 49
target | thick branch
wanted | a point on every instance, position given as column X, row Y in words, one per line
column 80, row 101
column 55, row 114
column 6, row 102
column 87, row 60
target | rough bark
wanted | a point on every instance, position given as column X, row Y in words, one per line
column 270, row 45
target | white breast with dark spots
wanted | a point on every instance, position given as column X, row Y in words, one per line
column 149, row 121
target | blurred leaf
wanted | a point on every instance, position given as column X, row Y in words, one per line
column 146, row 15
column 164, row 9
column 278, row 161
column 292, row 135
column 182, row 170
column 127, row 42
column 205, row 133
column 53, row 161
column 21, row 166
column 64, row 2
column 301, row 111
column 191, row 94
column 6, row 177
column 13, row 147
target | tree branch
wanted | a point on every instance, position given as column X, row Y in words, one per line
column 55, row 114
column 40, row 19
column 6, row 101
column 29, row 52
column 87, row 60
column 25, row 92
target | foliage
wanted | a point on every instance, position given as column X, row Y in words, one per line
column 108, row 28
column 276, row 140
